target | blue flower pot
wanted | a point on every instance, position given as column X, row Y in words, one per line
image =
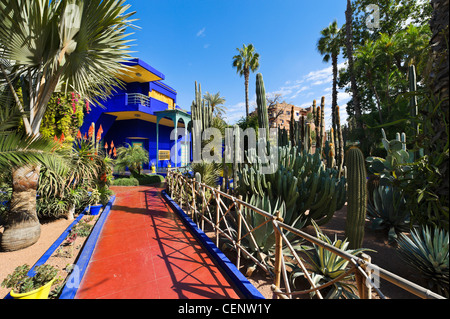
column 95, row 209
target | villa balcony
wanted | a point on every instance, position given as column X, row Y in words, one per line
column 139, row 99
column 135, row 102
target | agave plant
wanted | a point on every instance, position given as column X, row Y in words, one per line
column 427, row 252
column 388, row 211
column 327, row 266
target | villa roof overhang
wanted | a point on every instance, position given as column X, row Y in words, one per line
column 175, row 115
column 139, row 71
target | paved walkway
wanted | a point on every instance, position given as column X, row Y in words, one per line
column 145, row 252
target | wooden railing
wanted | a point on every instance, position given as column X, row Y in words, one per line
column 218, row 209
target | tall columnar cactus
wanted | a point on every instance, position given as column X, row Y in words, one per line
column 357, row 197
column 340, row 142
column 322, row 122
column 263, row 114
column 292, row 128
column 201, row 114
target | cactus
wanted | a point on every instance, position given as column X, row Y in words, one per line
column 301, row 181
column 322, row 122
column 357, row 197
column 340, row 143
column 201, row 114
column 263, row 115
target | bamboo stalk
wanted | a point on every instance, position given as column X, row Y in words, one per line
column 278, row 253
column 239, row 231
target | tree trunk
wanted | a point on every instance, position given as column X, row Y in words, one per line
column 349, row 46
column 71, row 212
column 246, row 75
column 22, row 227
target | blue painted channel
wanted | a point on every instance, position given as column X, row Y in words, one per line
column 52, row 248
column 74, row 280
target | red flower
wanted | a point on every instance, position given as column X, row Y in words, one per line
column 79, row 135
column 106, row 145
column 114, row 152
column 91, row 131
column 63, row 138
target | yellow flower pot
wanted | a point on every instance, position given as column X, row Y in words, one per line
column 40, row 293
column 153, row 170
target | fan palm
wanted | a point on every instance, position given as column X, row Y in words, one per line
column 23, row 155
column 329, row 45
column 216, row 102
column 247, row 60
column 67, row 45
column 132, row 157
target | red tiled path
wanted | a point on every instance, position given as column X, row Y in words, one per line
column 145, row 252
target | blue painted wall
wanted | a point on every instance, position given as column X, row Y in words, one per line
column 121, row 130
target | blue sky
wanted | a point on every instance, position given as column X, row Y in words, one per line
column 195, row 40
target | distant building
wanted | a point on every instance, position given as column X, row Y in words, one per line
column 280, row 115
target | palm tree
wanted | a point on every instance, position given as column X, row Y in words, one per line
column 329, row 45
column 22, row 153
column 71, row 45
column 247, row 60
column 349, row 46
column 132, row 157
column 216, row 102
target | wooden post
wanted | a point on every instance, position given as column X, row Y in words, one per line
column 203, row 208
column 278, row 251
column 239, row 232
column 194, row 210
column 364, row 290
column 217, row 215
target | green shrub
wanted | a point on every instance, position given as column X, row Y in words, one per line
column 128, row 181
column 150, row 179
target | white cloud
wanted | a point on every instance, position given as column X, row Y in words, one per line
column 201, row 33
column 206, row 46
column 234, row 113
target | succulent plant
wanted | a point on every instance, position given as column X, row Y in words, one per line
column 307, row 187
column 357, row 197
column 427, row 251
column 327, row 266
column 388, row 210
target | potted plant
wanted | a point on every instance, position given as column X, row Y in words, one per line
column 26, row 287
column 153, row 168
column 95, row 204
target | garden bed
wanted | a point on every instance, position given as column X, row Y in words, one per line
column 62, row 258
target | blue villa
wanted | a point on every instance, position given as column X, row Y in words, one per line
column 144, row 113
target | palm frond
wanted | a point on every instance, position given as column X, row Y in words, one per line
column 18, row 149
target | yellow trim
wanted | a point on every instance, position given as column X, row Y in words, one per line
column 131, row 75
column 131, row 115
column 163, row 98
